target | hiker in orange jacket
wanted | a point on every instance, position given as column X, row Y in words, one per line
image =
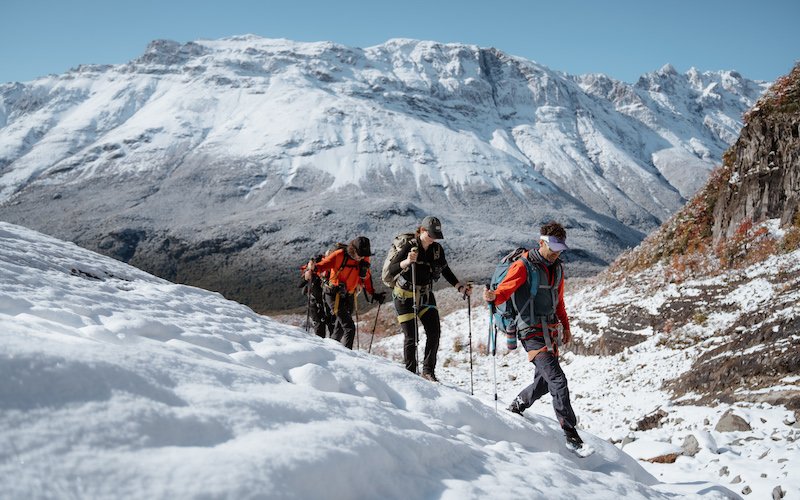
column 349, row 273
column 545, row 295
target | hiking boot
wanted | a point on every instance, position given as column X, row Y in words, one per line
column 516, row 406
column 572, row 437
column 430, row 376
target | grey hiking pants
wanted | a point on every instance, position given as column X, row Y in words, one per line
column 549, row 377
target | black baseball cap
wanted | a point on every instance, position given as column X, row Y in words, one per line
column 362, row 246
column 433, row 226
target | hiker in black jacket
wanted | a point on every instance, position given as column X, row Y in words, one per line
column 319, row 313
column 421, row 260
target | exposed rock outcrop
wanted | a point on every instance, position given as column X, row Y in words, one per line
column 764, row 178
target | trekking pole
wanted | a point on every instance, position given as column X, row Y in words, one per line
column 469, row 322
column 369, row 350
column 355, row 301
column 308, row 304
column 493, row 348
column 415, row 309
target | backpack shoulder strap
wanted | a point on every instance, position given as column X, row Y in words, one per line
column 529, row 270
column 344, row 263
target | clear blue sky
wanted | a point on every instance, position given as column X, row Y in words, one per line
column 624, row 38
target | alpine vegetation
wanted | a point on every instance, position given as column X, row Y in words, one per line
column 216, row 163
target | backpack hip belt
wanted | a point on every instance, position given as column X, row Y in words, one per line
column 536, row 329
column 339, row 289
column 409, row 294
column 406, row 286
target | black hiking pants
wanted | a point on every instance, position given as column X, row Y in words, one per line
column 318, row 309
column 428, row 317
column 344, row 329
column 549, row 377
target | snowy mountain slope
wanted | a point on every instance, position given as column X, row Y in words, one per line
column 204, row 161
column 116, row 384
column 740, row 328
column 690, row 111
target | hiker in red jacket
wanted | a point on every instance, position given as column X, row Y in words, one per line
column 541, row 321
column 349, row 273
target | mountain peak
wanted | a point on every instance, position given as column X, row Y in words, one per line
column 170, row 52
column 247, row 37
column 668, row 69
column 755, row 183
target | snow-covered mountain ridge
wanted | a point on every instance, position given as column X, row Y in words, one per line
column 117, row 384
column 207, row 160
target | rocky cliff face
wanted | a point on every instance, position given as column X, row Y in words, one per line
column 764, row 163
column 764, row 181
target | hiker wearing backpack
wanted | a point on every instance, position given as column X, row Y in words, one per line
column 349, row 270
column 534, row 287
column 318, row 312
column 415, row 261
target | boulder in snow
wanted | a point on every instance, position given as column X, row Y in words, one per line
column 690, row 446
column 669, row 458
column 730, row 422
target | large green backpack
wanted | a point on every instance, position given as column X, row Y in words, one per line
column 397, row 244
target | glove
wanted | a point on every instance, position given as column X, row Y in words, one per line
column 464, row 289
column 379, row 297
